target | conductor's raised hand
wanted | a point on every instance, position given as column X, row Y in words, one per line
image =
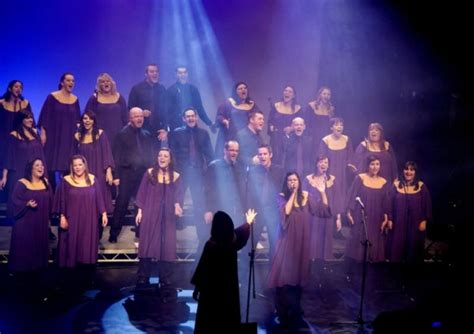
column 250, row 216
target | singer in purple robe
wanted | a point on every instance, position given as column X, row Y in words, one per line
column 30, row 203
column 93, row 144
column 80, row 204
column 58, row 118
column 23, row 146
column 372, row 191
column 376, row 145
column 411, row 207
column 108, row 105
column 159, row 201
column 317, row 114
column 232, row 115
column 290, row 268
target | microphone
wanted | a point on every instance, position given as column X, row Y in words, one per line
column 358, row 200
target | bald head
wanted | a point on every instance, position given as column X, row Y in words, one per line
column 136, row 117
column 298, row 125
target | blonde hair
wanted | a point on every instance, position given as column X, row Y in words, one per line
column 108, row 77
column 86, row 171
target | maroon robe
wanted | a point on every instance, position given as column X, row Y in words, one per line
column 409, row 209
column 99, row 157
column 60, row 122
column 387, row 158
column 158, row 225
column 82, row 207
column 317, row 126
column 29, row 245
column 291, row 262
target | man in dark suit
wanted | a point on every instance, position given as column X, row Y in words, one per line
column 133, row 154
column 250, row 139
column 192, row 149
column 298, row 155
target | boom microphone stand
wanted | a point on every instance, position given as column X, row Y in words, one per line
column 250, row 327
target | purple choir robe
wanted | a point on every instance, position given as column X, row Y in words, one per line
column 82, row 207
column 291, row 262
column 322, row 228
column 377, row 203
column 158, row 225
column 29, row 246
column 60, row 122
column 339, row 162
column 388, row 161
column 237, row 118
column 317, row 126
column 409, row 207
column 111, row 117
column 99, row 157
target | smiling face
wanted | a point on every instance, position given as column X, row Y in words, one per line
column 152, row 74
column 78, row 167
column 374, row 168
column 105, row 85
column 409, row 173
column 87, row 122
column 28, row 122
column 288, row 94
column 325, row 95
column 68, row 83
column 337, row 129
column 164, row 159
column 231, row 152
column 375, row 134
column 322, row 166
column 37, row 169
column 298, row 126
column 264, row 156
column 257, row 121
column 136, row 117
column 190, row 118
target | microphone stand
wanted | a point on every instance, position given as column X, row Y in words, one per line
column 366, row 243
column 251, row 281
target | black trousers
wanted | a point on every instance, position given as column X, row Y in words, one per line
column 130, row 179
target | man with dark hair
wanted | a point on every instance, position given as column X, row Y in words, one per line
column 133, row 154
column 150, row 96
column 263, row 186
column 250, row 138
column 182, row 95
column 193, row 151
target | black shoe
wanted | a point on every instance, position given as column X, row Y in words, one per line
column 112, row 239
column 51, row 235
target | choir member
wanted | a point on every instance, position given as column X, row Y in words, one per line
column 376, row 145
column 411, row 207
column 279, row 121
column 58, row 118
column 290, row 268
column 322, row 229
column 11, row 102
column 23, row 145
column 159, row 201
column 133, row 154
column 192, row 148
column 317, row 115
column 216, row 277
column 298, row 152
column 80, row 205
column 108, row 105
column 93, row 144
column 181, row 95
column 264, row 182
column 373, row 191
column 30, row 203
column 250, row 138
column 232, row 115
column 338, row 148
column 150, row 96
column 224, row 185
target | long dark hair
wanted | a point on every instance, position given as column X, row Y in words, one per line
column 82, row 130
column 287, row 192
column 153, row 177
column 379, row 127
column 61, row 79
column 8, row 94
column 368, row 160
column 318, row 159
column 29, row 171
column 234, row 92
column 18, row 124
column 416, row 180
column 293, row 102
